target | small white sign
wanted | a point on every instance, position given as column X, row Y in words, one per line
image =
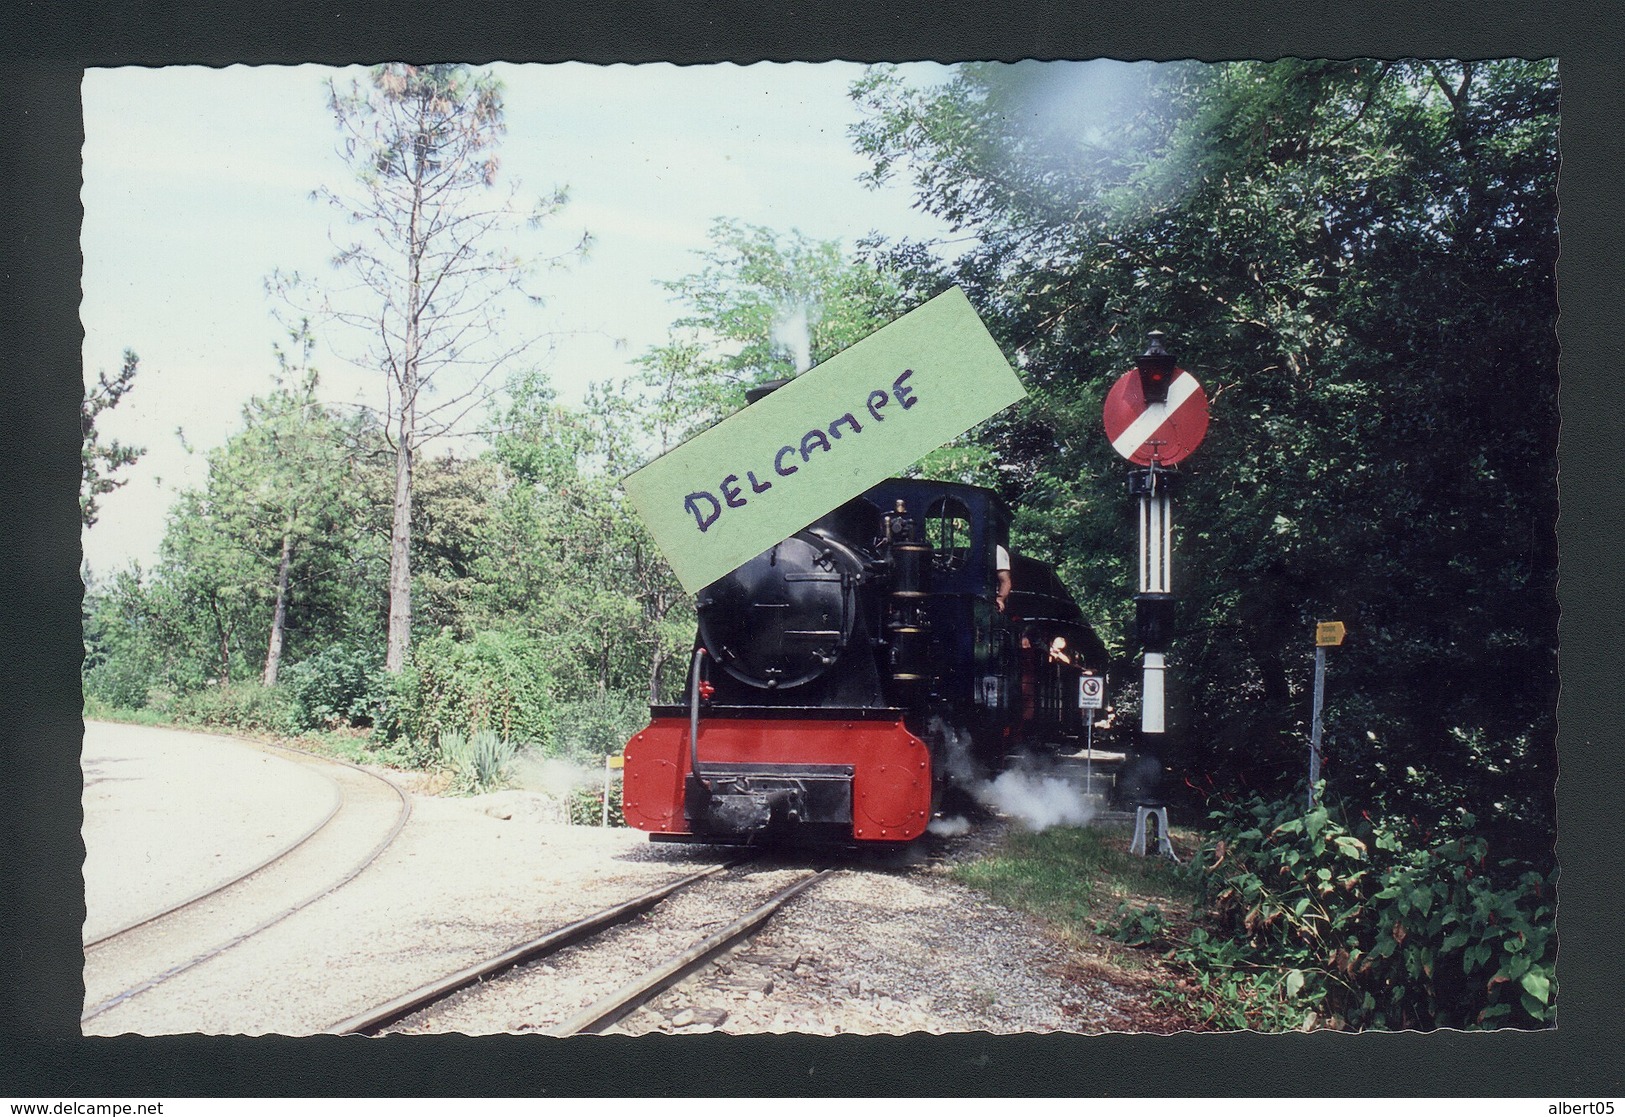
column 1091, row 692
column 993, row 692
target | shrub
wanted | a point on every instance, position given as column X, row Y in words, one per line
column 1309, row 921
column 586, row 804
column 119, row 682
column 480, row 762
column 239, row 706
column 341, row 685
column 497, row 681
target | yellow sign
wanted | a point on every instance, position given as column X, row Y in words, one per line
column 1328, row 634
column 614, row 762
column 762, row 474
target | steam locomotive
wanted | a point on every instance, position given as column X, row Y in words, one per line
column 850, row 678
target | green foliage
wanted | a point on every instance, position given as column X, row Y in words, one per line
column 119, row 682
column 565, row 559
column 1309, row 921
column 99, row 460
column 98, row 710
column 498, row 681
column 242, row 705
column 275, row 517
column 1137, row 926
column 1069, row 874
column 1356, row 258
column 452, row 513
column 429, row 278
column 141, row 648
column 586, row 804
column 762, row 306
column 588, row 729
column 342, row 685
column 479, row 761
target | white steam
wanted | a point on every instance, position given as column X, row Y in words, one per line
column 1034, row 799
column 792, row 330
column 551, row 776
column 956, row 758
column 1037, row 802
column 949, row 827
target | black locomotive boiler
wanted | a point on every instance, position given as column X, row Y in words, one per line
column 848, row 677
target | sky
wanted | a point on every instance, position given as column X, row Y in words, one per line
column 198, row 183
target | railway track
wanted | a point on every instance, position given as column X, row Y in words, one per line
column 608, row 964
column 335, row 801
column 171, row 942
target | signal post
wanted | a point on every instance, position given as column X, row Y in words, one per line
column 1155, row 415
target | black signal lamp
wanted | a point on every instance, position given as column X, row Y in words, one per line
column 1156, row 367
column 1154, row 620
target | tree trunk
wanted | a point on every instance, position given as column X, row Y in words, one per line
column 224, row 635
column 400, row 536
column 655, row 666
column 400, row 556
column 279, row 615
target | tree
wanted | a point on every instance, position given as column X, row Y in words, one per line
column 101, row 461
column 567, row 559
column 276, row 523
column 1357, row 259
column 304, row 482
column 762, row 306
column 432, row 273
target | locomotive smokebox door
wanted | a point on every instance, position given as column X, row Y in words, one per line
column 783, row 618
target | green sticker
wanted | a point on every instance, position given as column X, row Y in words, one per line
column 764, row 473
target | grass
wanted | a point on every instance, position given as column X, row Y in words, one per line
column 345, row 744
column 1075, row 877
column 97, row 710
column 1078, row 879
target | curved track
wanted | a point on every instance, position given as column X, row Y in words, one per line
column 171, row 935
column 292, row 847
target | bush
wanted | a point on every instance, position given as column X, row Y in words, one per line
column 239, row 706
column 586, row 804
column 119, row 683
column 589, row 729
column 1310, row 921
column 498, row 681
column 341, row 685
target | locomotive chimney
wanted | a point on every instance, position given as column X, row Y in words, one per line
column 766, row 387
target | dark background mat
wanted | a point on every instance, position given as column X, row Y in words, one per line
column 45, row 48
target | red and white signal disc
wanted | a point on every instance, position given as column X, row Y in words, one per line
column 1163, row 432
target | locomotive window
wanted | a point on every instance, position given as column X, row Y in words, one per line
column 947, row 526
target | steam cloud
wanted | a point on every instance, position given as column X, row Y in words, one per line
column 1036, row 800
column 793, row 331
